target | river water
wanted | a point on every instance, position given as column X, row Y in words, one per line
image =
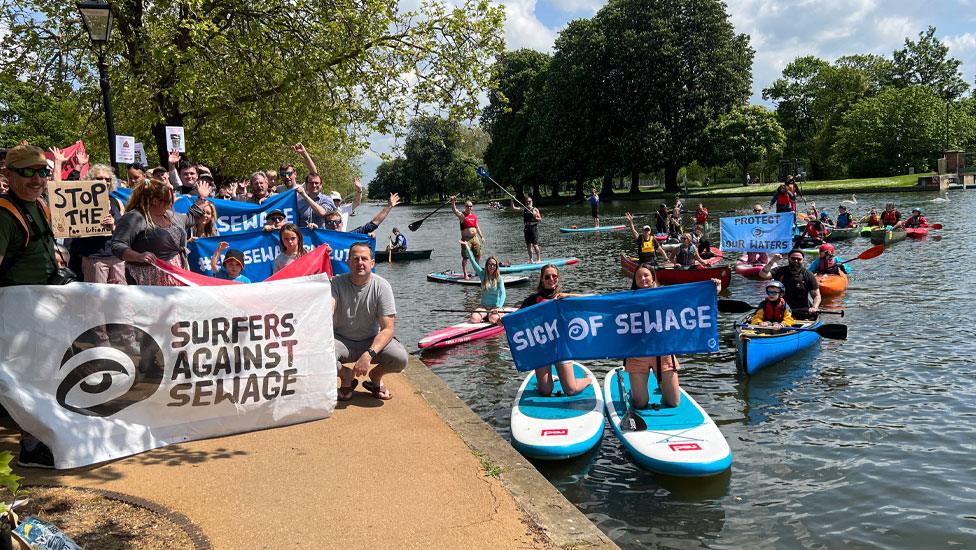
column 868, row 442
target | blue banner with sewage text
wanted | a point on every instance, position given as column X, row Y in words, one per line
column 758, row 233
column 260, row 249
column 677, row 319
column 234, row 217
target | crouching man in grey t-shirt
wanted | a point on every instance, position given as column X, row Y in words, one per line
column 363, row 317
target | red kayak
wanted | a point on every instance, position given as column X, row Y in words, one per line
column 677, row 276
column 460, row 333
column 746, row 269
column 917, row 232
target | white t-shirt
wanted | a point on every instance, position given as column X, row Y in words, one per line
column 345, row 210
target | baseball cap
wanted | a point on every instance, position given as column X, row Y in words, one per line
column 25, row 156
column 206, row 176
column 234, row 254
column 647, row 228
column 336, row 196
column 274, row 213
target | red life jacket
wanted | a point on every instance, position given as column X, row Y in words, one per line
column 702, row 216
column 890, row 217
column 813, row 230
column 916, row 221
column 832, row 269
column 774, row 312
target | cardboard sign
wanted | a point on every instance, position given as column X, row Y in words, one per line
column 77, row 208
column 140, row 156
column 125, row 149
column 176, row 138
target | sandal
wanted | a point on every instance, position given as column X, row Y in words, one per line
column 379, row 391
column 345, row 393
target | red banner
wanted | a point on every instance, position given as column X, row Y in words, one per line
column 315, row 262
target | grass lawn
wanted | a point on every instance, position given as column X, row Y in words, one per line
column 826, row 186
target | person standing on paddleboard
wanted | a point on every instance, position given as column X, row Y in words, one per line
column 548, row 289
column 492, row 289
column 639, row 368
column 595, row 206
column 470, row 232
column 802, row 289
column 648, row 249
column 784, row 200
column 530, row 230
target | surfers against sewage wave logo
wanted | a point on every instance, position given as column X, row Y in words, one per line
column 240, row 360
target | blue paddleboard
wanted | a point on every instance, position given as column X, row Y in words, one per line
column 558, row 426
column 592, row 229
column 457, row 278
column 518, row 268
column 678, row 441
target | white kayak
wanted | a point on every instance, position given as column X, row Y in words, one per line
column 557, row 426
column 678, row 441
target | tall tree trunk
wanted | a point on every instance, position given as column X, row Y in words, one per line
column 580, row 180
column 634, row 181
column 671, row 179
column 607, row 189
column 555, row 188
column 536, row 190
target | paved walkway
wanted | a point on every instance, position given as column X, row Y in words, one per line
column 375, row 475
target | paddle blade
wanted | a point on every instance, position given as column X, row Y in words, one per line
column 872, row 252
column 415, row 225
column 482, row 172
column 935, row 226
column 734, row 306
column 819, row 311
column 833, row 331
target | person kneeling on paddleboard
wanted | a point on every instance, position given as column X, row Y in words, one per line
column 492, row 288
column 639, row 368
column 548, row 289
column 774, row 311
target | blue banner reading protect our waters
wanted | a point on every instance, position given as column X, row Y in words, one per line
column 678, row 319
column 236, row 216
column 260, row 249
column 758, row 233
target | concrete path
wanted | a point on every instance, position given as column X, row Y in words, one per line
column 376, row 475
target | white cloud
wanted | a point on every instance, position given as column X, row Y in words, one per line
column 577, row 6
column 523, row 29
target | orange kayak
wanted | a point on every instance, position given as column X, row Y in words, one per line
column 832, row 284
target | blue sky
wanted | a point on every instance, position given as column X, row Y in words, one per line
column 780, row 31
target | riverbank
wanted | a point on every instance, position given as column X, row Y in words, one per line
column 418, row 471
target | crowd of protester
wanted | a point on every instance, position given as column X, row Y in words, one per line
column 147, row 229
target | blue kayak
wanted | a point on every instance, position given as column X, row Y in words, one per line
column 758, row 349
column 518, row 268
column 679, row 441
column 557, row 426
column 592, row 229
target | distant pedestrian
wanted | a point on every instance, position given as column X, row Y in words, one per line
column 595, row 207
column 748, row 178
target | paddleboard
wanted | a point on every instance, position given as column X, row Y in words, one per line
column 557, row 427
column 517, row 268
column 460, row 333
column 678, row 441
column 457, row 278
column 592, row 229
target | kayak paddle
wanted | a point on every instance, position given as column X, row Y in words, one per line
column 734, row 306
column 483, row 172
column 416, row 225
column 829, row 331
column 872, row 252
column 831, row 312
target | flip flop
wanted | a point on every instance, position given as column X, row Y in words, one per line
column 345, row 394
column 378, row 391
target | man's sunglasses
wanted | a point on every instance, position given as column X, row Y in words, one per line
column 31, row 172
column 286, row 174
column 333, row 223
column 276, row 219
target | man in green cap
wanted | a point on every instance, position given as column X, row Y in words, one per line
column 26, row 249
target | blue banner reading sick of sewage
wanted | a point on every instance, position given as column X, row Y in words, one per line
column 235, row 217
column 260, row 249
column 677, row 319
column 758, row 233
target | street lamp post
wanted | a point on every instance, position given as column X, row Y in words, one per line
column 97, row 16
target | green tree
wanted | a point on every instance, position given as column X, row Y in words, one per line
column 439, row 162
column 515, row 76
column 926, row 62
column 670, row 67
column 887, row 134
column 746, row 135
column 391, row 178
column 42, row 117
column 794, row 95
column 249, row 78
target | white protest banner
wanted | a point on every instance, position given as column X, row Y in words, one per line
column 125, row 149
column 99, row 372
column 176, row 138
column 77, row 208
column 140, row 155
